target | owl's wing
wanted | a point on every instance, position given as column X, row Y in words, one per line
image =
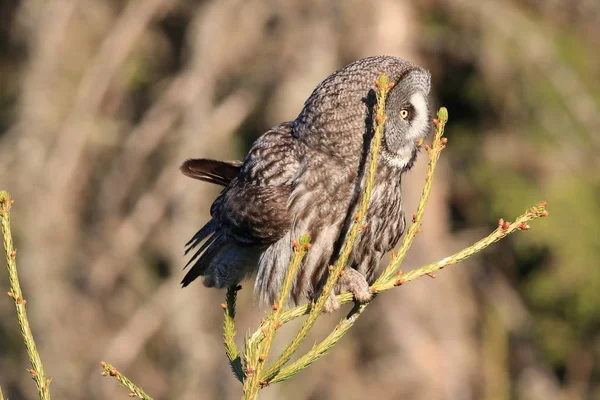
column 251, row 212
column 319, row 200
column 253, row 209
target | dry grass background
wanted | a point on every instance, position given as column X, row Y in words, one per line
column 100, row 101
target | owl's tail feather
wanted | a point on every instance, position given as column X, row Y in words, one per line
column 212, row 171
column 203, row 256
column 220, row 260
column 203, row 233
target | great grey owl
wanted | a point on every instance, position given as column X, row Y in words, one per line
column 306, row 176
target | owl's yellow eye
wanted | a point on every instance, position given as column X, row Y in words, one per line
column 404, row 114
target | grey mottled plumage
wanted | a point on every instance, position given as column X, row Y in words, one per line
column 306, row 176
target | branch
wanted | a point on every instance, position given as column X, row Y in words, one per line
column 504, row 229
column 37, row 369
column 434, row 152
column 319, row 350
column 340, row 330
column 257, row 353
column 135, row 391
column 229, row 332
column 429, row 269
column 383, row 87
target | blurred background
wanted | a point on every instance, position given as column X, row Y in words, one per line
column 101, row 101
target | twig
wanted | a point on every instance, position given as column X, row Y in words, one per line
column 135, row 391
column 1, row 396
column 256, row 354
column 434, row 154
column 37, row 368
column 319, row 350
column 500, row 233
column 383, row 87
column 229, row 332
column 391, row 276
column 397, row 280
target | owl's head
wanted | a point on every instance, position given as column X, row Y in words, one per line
column 337, row 117
column 409, row 118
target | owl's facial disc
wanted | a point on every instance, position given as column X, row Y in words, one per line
column 408, row 122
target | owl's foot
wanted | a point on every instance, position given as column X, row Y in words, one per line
column 354, row 282
column 351, row 281
column 331, row 304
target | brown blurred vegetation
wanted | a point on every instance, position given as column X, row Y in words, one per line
column 100, row 101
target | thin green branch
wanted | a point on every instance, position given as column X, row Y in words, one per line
column 134, row 390
column 383, row 87
column 437, row 145
column 37, row 368
column 319, row 350
column 1, row 395
column 397, row 280
column 504, row 229
column 257, row 356
column 229, row 332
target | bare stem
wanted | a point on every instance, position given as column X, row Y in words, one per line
column 37, row 368
column 135, row 391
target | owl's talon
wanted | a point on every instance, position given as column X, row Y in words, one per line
column 354, row 282
column 363, row 296
column 331, row 304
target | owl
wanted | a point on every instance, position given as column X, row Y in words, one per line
column 307, row 176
